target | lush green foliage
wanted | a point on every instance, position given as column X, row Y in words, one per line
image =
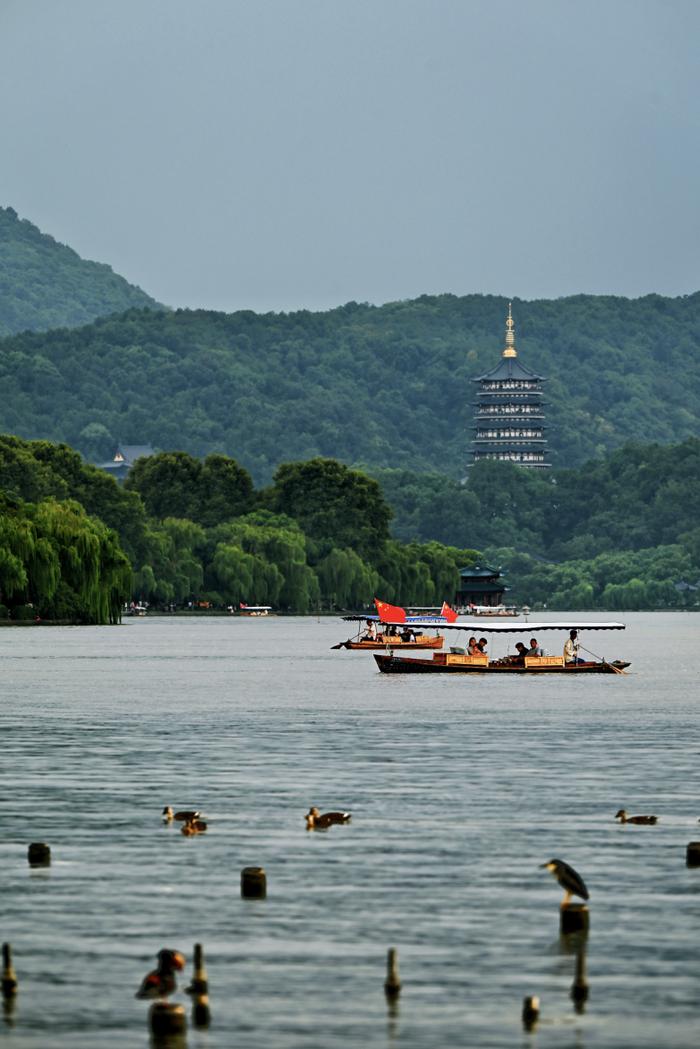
column 620, row 533
column 58, row 563
column 385, row 386
column 617, row 533
column 44, row 284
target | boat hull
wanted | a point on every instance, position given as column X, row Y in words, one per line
column 420, row 643
column 390, row 664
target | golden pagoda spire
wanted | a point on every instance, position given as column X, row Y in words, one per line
column 510, row 350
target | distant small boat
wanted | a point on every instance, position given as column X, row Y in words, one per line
column 499, row 611
column 253, row 610
column 136, row 610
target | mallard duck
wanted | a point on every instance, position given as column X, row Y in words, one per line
column 161, row 981
column 624, row 818
column 185, row 815
column 168, row 814
column 321, row 821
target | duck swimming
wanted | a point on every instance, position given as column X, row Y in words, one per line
column 316, row 820
column 161, row 981
column 168, row 815
column 184, row 815
column 193, row 827
column 624, row 818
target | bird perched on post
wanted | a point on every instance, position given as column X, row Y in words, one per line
column 570, row 880
column 161, row 981
column 624, row 818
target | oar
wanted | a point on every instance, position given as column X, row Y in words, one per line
column 617, row 670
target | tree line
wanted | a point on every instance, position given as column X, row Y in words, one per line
column 619, row 533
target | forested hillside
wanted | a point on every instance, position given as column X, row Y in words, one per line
column 44, row 284
column 385, row 386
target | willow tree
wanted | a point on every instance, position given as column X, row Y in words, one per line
column 90, row 560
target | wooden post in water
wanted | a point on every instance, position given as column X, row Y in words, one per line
column 692, row 855
column 9, row 976
column 199, row 989
column 392, row 984
column 575, row 917
column 167, row 1018
column 39, row 854
column 253, row 883
column 531, row 1011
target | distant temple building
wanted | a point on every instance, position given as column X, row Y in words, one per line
column 481, row 587
column 124, row 458
column 509, row 416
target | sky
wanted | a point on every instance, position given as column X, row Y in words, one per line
column 288, row 154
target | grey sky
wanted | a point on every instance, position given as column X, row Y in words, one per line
column 276, row 154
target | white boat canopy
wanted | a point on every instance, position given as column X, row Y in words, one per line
column 526, row 627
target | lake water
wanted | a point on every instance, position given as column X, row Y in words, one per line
column 459, row 788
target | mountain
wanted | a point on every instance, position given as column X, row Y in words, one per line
column 44, row 284
column 387, row 386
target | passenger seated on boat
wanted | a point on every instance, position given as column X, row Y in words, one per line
column 518, row 658
column 571, row 648
column 391, row 631
column 407, row 634
column 534, row 649
column 472, row 647
column 481, row 647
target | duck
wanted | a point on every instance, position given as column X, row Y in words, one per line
column 161, row 981
column 624, row 818
column 193, row 827
column 168, row 814
column 185, row 815
column 321, row 821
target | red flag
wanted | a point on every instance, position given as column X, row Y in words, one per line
column 448, row 613
column 390, row 613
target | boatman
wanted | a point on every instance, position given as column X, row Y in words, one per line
column 571, row 647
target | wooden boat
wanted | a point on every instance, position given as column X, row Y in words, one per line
column 420, row 641
column 255, row 610
column 402, row 634
column 456, row 662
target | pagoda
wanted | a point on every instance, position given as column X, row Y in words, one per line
column 509, row 416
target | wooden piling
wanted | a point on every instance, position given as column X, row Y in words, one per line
column 253, row 883
column 574, row 918
column 167, row 1018
column 692, row 855
column 531, row 1011
column 9, row 976
column 199, row 989
column 39, row 854
column 392, row 984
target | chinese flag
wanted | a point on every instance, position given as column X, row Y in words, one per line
column 448, row 613
column 390, row 613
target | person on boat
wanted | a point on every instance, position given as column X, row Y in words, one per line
column 407, row 634
column 481, row 646
column 472, row 648
column 534, row 649
column 518, row 659
column 571, row 647
column 371, row 632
